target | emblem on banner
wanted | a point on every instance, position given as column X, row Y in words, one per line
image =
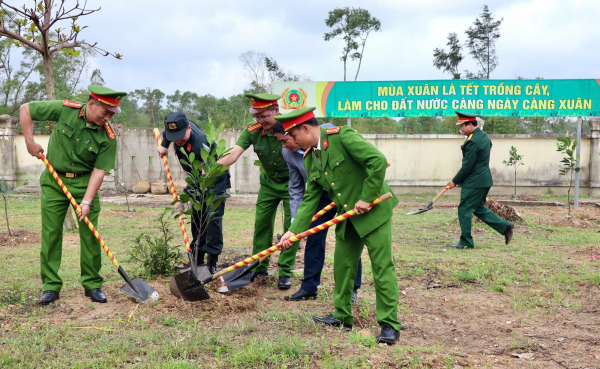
column 293, row 99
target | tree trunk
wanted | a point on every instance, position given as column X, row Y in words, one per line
column 70, row 224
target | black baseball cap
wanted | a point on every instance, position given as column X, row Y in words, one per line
column 176, row 124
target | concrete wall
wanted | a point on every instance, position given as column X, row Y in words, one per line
column 423, row 163
column 419, row 163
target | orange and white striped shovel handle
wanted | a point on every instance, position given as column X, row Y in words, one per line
column 298, row 237
column 173, row 192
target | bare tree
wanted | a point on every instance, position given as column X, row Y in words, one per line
column 256, row 70
column 31, row 28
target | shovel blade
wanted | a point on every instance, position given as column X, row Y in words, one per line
column 236, row 279
column 140, row 291
column 418, row 211
column 189, row 287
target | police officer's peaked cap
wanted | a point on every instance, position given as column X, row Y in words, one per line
column 465, row 117
column 295, row 117
column 176, row 123
column 110, row 98
column 259, row 102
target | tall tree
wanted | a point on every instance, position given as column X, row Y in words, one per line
column 481, row 42
column 256, row 70
column 353, row 26
column 449, row 60
column 151, row 102
column 30, row 27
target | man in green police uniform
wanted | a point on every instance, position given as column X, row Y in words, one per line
column 273, row 182
column 475, row 179
column 82, row 148
column 352, row 171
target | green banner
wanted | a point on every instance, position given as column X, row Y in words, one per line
column 508, row 98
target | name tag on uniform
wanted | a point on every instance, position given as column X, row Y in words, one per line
column 260, row 147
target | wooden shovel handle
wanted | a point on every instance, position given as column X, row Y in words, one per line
column 440, row 194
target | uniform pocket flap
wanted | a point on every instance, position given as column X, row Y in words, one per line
column 335, row 161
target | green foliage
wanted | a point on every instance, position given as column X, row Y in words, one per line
column 514, row 160
column 353, row 26
column 481, row 42
column 203, row 176
column 449, row 61
column 156, row 254
column 569, row 163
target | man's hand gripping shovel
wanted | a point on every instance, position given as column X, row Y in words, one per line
column 298, row 237
column 135, row 287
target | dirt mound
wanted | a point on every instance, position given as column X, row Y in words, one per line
column 20, row 237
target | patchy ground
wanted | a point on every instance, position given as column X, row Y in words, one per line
column 533, row 303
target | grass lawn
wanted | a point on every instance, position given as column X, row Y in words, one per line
column 481, row 308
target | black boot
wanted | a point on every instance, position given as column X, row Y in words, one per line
column 96, row 295
column 388, row 335
column 211, row 263
column 508, row 233
column 49, row 297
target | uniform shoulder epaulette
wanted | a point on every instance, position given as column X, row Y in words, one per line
column 72, row 104
column 470, row 137
column 109, row 130
column 306, row 152
column 254, row 127
column 333, row 130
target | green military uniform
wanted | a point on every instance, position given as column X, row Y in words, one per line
column 74, row 148
column 274, row 180
column 475, row 179
column 352, row 169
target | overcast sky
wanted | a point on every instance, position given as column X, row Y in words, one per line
column 195, row 45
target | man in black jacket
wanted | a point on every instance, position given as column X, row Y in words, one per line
column 187, row 135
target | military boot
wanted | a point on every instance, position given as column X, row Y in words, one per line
column 211, row 263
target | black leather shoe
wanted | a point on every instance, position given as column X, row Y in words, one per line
column 332, row 321
column 211, row 263
column 301, row 295
column 354, row 296
column 388, row 335
column 253, row 275
column 49, row 297
column 284, row 282
column 458, row 246
column 96, row 295
column 508, row 233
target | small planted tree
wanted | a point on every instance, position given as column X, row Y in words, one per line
column 514, row 160
column 569, row 163
column 201, row 180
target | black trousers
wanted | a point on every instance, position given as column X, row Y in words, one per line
column 211, row 237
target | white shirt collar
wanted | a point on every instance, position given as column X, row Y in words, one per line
column 319, row 144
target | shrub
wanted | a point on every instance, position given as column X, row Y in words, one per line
column 156, row 254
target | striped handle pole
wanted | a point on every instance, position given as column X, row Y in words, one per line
column 173, row 192
column 323, row 211
column 298, row 237
column 77, row 207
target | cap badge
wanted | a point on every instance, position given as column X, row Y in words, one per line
column 118, row 98
column 172, row 125
column 252, row 101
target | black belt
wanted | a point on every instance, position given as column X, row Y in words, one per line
column 71, row 175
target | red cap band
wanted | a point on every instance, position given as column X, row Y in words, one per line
column 297, row 121
column 110, row 101
column 467, row 119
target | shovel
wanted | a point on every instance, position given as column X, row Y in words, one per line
column 136, row 288
column 196, row 288
column 241, row 277
column 430, row 205
column 186, row 280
